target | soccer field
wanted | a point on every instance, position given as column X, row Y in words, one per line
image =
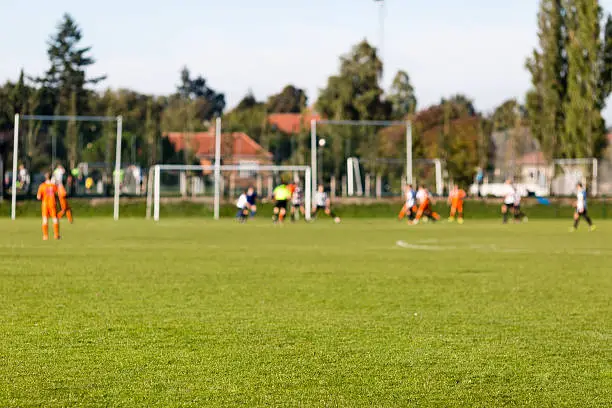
column 365, row 313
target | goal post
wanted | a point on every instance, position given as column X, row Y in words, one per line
column 55, row 118
column 154, row 193
column 314, row 142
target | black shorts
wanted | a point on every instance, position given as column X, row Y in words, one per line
column 583, row 213
column 281, row 204
column 321, row 208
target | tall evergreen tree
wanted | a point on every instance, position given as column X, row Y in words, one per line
column 583, row 121
column 605, row 77
column 548, row 68
column 402, row 96
column 69, row 62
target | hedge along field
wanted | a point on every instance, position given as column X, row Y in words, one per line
column 474, row 209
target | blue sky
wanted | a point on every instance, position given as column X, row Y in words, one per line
column 476, row 47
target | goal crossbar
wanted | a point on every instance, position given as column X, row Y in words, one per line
column 153, row 197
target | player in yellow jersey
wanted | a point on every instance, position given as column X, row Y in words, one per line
column 281, row 194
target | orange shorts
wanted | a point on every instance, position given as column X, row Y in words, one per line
column 49, row 210
column 457, row 205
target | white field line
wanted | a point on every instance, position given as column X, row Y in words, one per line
column 492, row 248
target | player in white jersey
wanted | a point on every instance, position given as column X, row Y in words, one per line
column 516, row 208
column 509, row 198
column 425, row 203
column 297, row 204
column 243, row 207
column 409, row 209
column 323, row 203
column 581, row 208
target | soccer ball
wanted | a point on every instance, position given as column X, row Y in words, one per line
column 337, row 220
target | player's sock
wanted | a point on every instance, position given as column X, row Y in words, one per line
column 281, row 217
column 69, row 215
column 435, row 216
column 588, row 220
column 576, row 221
column 45, row 231
column 505, row 217
column 56, row 234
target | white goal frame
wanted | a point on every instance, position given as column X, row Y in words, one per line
column 374, row 123
column 153, row 193
column 117, row 176
column 587, row 162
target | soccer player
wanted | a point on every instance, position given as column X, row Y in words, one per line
column 409, row 209
column 281, row 196
column 297, row 203
column 251, row 195
column 64, row 206
column 581, row 208
column 509, row 197
column 46, row 195
column 323, row 203
column 519, row 215
column 455, row 199
column 243, row 207
column 424, row 200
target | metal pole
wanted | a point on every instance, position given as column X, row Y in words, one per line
column 595, row 177
column 313, row 154
column 156, row 193
column 150, row 192
column 308, row 194
column 217, row 166
column 15, row 152
column 409, row 152
column 381, row 17
column 350, row 176
column 118, row 167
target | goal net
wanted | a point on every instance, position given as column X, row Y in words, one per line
column 77, row 150
column 385, row 177
column 361, row 158
column 217, row 186
column 566, row 173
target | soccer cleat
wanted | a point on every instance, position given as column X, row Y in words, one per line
column 573, row 229
column 45, row 238
column 460, row 221
column 451, row 219
column 592, row 228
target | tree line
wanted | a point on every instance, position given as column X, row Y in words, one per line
column 571, row 74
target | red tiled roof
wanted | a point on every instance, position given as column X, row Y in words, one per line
column 292, row 123
column 204, row 144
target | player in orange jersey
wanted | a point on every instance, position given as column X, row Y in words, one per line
column 424, row 200
column 455, row 199
column 64, row 206
column 46, row 194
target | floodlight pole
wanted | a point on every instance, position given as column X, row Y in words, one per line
column 409, row 152
column 118, row 167
column 313, row 155
column 14, row 185
column 217, row 167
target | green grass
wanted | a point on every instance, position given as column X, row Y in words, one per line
column 197, row 313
